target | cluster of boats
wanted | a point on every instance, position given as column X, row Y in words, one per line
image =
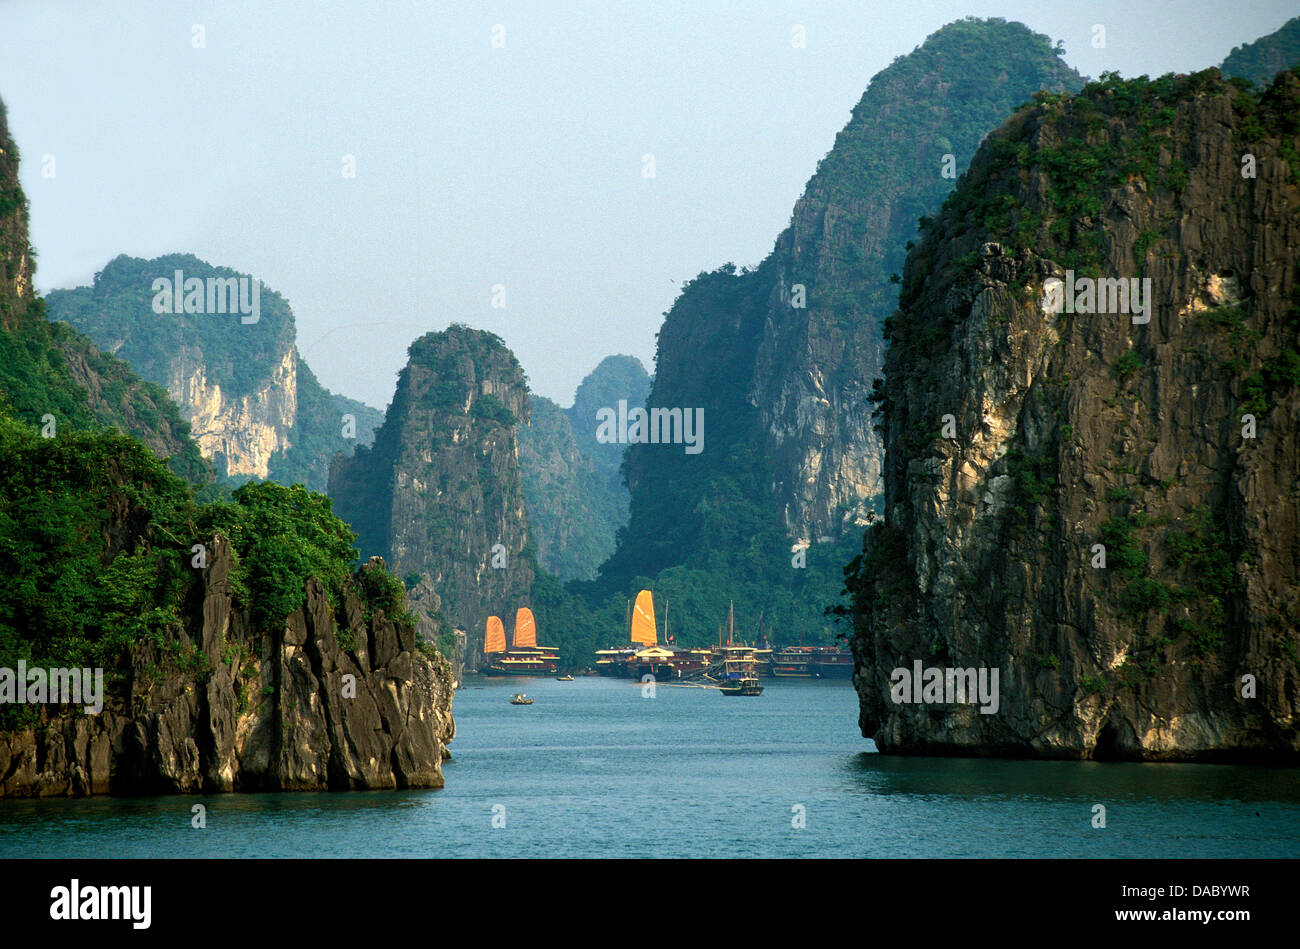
column 523, row 657
column 735, row 668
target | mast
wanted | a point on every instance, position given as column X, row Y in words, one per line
column 731, row 621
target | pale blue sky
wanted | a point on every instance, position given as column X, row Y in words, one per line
column 478, row 166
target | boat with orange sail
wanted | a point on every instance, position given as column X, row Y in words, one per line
column 524, row 657
column 652, row 659
column 622, row 661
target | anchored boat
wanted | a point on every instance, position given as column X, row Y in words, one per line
column 524, row 657
column 739, row 665
column 520, row 699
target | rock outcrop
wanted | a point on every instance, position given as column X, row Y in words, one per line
column 293, row 710
column 255, row 408
column 200, row 698
column 1099, row 502
column 240, row 433
column 781, row 358
column 15, row 253
column 573, row 483
column 440, row 495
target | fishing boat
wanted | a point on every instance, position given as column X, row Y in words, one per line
column 520, row 699
column 564, row 678
column 524, row 657
column 739, row 665
column 747, row 686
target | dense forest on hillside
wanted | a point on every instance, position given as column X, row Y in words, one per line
column 116, row 311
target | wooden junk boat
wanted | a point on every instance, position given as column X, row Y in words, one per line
column 645, row 655
column 524, row 657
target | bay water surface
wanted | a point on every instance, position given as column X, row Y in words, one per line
column 595, row 769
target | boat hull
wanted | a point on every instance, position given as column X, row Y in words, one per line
column 515, row 671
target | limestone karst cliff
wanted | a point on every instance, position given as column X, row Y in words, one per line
column 781, row 358
column 226, row 633
column 1099, row 500
column 1267, row 56
column 254, row 407
column 55, row 378
column 573, row 483
column 284, row 709
column 439, row 495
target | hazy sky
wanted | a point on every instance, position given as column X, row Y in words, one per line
column 477, row 166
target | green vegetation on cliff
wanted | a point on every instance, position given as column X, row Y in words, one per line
column 97, row 549
column 573, row 484
column 572, row 512
column 439, row 493
column 318, row 433
column 49, row 369
column 51, row 376
column 1269, row 55
column 116, row 311
column 1111, row 520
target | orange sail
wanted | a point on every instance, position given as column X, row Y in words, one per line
column 525, row 628
column 495, row 640
column 643, row 620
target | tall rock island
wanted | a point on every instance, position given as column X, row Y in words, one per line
column 781, row 358
column 439, row 496
column 224, row 347
column 1091, row 413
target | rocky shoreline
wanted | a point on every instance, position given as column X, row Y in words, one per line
column 289, row 710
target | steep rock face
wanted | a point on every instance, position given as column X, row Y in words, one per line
column 573, row 483
column 1072, row 435
column 277, row 711
column 255, row 408
column 572, row 516
column 94, row 529
column 440, row 494
column 15, row 254
column 239, row 433
column 781, row 358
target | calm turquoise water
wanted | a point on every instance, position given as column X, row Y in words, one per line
column 595, row 770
